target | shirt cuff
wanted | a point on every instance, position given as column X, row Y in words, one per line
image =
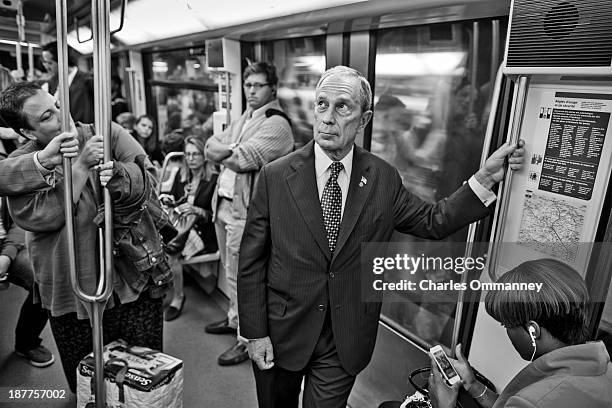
column 48, row 175
column 486, row 196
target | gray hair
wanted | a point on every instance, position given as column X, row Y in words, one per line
column 365, row 91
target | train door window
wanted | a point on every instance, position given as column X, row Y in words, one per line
column 299, row 63
column 432, row 90
column 183, row 91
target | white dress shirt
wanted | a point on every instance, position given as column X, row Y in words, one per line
column 322, row 173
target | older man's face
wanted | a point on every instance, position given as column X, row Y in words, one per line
column 338, row 115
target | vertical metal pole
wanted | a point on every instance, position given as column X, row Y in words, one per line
column 62, row 76
column 30, row 62
column 20, row 36
column 102, row 93
column 228, row 98
column 518, row 111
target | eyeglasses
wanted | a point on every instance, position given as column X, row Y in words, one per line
column 256, row 85
column 193, row 154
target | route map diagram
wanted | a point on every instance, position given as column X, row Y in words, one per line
column 552, row 226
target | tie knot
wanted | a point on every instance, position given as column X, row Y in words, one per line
column 336, row 168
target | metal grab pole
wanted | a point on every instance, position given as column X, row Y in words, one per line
column 518, row 111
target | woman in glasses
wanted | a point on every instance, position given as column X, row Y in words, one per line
column 190, row 197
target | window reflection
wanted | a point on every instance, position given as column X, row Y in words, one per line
column 182, row 65
column 429, row 122
column 299, row 63
column 183, row 110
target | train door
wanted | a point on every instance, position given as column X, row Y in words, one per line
column 432, row 88
column 558, row 205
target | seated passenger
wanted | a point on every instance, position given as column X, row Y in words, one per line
column 550, row 329
column 144, row 133
column 190, row 197
column 16, row 268
column 134, row 311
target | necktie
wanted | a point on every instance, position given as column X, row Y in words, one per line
column 331, row 204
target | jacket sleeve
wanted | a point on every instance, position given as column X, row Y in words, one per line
column 435, row 220
column 19, row 175
column 254, row 254
column 41, row 211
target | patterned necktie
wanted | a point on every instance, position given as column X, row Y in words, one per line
column 331, row 204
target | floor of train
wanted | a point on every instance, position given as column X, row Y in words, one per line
column 206, row 383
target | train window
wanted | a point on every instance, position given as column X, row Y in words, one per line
column 299, row 63
column 188, row 65
column 186, row 110
column 430, row 115
column 184, row 91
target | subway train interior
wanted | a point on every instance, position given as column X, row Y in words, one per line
column 452, row 81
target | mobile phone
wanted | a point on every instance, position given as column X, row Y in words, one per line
column 446, row 368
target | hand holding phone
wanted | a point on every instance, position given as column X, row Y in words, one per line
column 446, row 368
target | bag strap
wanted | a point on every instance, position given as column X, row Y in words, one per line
column 273, row 112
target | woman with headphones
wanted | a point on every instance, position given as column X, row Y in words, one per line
column 548, row 328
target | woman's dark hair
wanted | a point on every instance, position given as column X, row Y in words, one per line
column 265, row 68
column 148, row 143
column 560, row 306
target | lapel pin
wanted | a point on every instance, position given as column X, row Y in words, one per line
column 363, row 181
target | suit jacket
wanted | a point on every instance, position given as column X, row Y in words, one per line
column 287, row 276
column 81, row 96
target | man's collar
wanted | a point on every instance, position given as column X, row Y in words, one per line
column 262, row 110
column 322, row 160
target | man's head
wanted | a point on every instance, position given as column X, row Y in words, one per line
column 31, row 112
column 259, row 84
column 556, row 315
column 49, row 56
column 343, row 102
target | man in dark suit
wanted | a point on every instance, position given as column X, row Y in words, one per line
column 81, row 83
column 299, row 290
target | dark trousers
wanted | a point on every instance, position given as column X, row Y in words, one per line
column 327, row 384
column 140, row 323
column 32, row 317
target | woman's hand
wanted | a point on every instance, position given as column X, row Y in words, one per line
column 189, row 209
column 441, row 394
column 463, row 368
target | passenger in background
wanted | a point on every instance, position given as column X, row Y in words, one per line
column 16, row 268
column 192, row 126
column 118, row 102
column 262, row 134
column 549, row 328
column 80, row 83
column 127, row 121
column 134, row 312
column 144, row 133
column 190, row 201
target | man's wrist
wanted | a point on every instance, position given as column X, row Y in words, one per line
column 485, row 180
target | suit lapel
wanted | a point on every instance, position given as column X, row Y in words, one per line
column 357, row 194
column 303, row 186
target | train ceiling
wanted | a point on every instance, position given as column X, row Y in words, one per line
column 151, row 20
